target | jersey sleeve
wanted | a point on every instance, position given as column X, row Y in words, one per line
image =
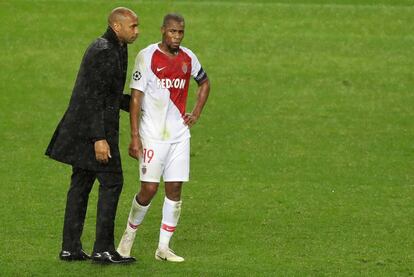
column 139, row 74
column 197, row 70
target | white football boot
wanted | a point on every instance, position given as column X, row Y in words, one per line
column 167, row 255
column 125, row 245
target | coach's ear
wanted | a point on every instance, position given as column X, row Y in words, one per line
column 116, row 26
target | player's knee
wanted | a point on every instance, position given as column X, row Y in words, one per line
column 173, row 191
column 146, row 194
column 174, row 196
column 151, row 190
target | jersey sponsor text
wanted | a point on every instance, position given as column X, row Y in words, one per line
column 168, row 83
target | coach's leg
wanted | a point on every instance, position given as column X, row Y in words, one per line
column 109, row 190
column 76, row 205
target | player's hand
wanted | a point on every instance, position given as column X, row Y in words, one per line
column 102, row 151
column 135, row 147
column 190, row 119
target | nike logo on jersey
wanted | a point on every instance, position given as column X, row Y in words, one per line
column 159, row 69
column 168, row 83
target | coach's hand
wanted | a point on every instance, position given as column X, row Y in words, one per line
column 190, row 119
column 135, row 147
column 102, row 151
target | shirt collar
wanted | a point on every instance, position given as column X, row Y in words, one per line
column 111, row 36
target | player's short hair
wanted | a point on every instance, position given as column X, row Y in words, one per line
column 172, row 16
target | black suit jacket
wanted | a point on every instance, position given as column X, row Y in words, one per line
column 93, row 111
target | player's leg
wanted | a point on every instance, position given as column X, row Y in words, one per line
column 139, row 207
column 76, row 205
column 171, row 211
column 176, row 172
column 151, row 166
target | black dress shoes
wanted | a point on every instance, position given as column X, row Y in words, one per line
column 111, row 258
column 74, row 255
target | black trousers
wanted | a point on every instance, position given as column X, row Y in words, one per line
column 77, row 201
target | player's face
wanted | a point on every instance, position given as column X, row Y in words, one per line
column 128, row 29
column 173, row 34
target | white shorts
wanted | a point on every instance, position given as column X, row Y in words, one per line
column 169, row 160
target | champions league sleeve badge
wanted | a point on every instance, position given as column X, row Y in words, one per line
column 136, row 76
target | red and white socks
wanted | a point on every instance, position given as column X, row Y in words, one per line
column 170, row 214
column 136, row 216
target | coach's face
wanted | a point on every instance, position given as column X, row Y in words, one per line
column 127, row 29
column 173, row 34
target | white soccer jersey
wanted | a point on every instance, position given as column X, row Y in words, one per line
column 164, row 80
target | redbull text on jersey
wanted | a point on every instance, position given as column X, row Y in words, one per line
column 171, row 83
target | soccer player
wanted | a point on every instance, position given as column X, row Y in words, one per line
column 160, row 136
column 87, row 139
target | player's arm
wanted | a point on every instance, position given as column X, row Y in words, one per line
column 135, row 147
column 203, row 91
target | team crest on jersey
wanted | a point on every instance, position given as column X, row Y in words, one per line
column 184, row 68
column 136, row 76
column 144, row 170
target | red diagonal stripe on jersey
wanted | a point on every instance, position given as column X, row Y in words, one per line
column 174, row 73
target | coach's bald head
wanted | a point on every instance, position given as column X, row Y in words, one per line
column 124, row 22
column 119, row 14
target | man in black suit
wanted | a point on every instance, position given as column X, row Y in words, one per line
column 87, row 138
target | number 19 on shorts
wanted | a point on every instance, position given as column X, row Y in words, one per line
column 147, row 155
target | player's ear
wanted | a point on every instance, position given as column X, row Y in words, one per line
column 162, row 30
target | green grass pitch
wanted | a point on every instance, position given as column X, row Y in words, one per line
column 302, row 163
